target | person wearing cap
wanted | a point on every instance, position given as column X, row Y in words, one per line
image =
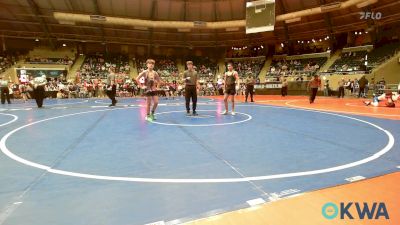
column 151, row 85
column 39, row 91
column 190, row 78
column 5, row 91
column 313, row 86
column 250, row 82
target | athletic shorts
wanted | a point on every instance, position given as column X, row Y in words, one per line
column 230, row 90
column 150, row 93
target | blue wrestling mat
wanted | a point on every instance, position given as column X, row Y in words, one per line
column 81, row 162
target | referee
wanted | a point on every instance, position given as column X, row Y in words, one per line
column 250, row 82
column 111, row 87
column 39, row 90
column 191, row 80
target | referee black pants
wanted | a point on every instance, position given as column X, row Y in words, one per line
column 341, row 92
column 112, row 93
column 284, row 91
column 5, row 94
column 39, row 93
column 191, row 93
column 313, row 94
column 249, row 90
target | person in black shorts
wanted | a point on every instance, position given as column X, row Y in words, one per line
column 151, row 84
column 230, row 79
column 190, row 78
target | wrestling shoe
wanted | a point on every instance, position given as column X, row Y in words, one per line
column 149, row 118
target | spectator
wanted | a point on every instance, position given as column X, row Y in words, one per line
column 362, row 84
column 341, row 85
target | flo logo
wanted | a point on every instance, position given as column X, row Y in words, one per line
column 370, row 15
column 351, row 210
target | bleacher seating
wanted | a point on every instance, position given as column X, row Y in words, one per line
column 350, row 61
column 43, row 60
column 382, row 53
column 166, row 68
column 97, row 66
column 306, row 66
column 206, row 67
column 5, row 62
column 244, row 66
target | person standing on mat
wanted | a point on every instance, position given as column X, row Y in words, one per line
column 39, row 91
column 111, row 87
column 313, row 86
column 250, row 82
column 151, row 84
column 230, row 78
column 341, row 85
column 190, row 78
column 284, row 87
column 362, row 83
column 5, row 91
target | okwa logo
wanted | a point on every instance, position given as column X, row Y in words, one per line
column 355, row 210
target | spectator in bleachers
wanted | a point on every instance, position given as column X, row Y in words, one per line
column 166, row 68
column 43, row 60
column 245, row 66
column 6, row 61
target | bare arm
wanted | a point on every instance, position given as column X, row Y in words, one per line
column 237, row 78
column 159, row 81
column 225, row 80
column 183, row 77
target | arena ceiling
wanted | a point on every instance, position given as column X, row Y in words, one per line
column 35, row 19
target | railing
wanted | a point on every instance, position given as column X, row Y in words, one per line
column 292, row 73
column 303, row 56
column 244, row 58
column 355, row 72
column 358, row 48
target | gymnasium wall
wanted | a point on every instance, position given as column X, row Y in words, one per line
column 390, row 71
column 334, row 79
